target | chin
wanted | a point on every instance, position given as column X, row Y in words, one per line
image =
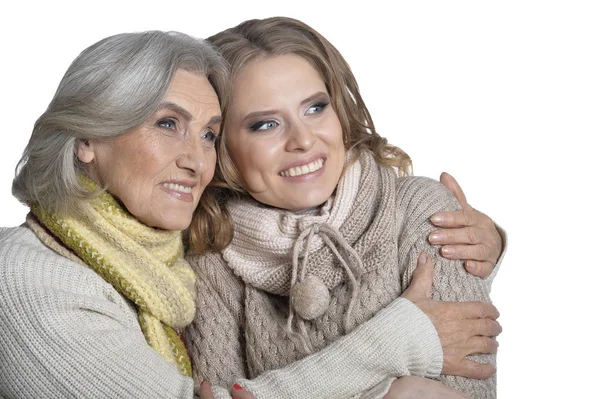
column 311, row 202
column 173, row 223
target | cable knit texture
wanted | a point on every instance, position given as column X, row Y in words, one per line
column 362, row 245
column 144, row 264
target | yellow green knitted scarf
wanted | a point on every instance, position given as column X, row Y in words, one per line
column 144, row 264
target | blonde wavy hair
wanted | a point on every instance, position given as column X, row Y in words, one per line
column 212, row 227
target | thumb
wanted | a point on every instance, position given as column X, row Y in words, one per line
column 205, row 391
column 452, row 185
column 422, row 280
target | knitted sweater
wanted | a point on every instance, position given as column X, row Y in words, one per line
column 67, row 333
column 244, row 319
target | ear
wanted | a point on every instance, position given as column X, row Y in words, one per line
column 85, row 151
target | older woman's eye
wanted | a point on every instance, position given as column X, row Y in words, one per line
column 318, row 107
column 210, row 136
column 263, row 125
column 167, row 123
column 209, row 139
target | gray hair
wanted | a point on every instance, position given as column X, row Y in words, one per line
column 111, row 88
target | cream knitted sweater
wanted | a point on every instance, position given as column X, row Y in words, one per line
column 67, row 333
column 243, row 323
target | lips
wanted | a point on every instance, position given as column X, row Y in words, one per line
column 181, row 190
column 177, row 187
column 303, row 169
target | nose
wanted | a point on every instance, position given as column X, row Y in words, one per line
column 300, row 138
column 194, row 156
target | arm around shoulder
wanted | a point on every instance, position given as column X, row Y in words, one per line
column 399, row 340
column 422, row 198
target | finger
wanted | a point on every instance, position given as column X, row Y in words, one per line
column 478, row 268
column 470, row 369
column 474, row 252
column 205, row 391
column 238, row 392
column 464, row 217
column 452, row 185
column 485, row 327
column 483, row 345
column 422, row 279
column 461, row 236
column 473, row 310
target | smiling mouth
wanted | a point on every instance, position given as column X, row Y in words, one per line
column 177, row 187
column 303, row 169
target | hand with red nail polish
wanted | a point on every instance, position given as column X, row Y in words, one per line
column 238, row 392
column 203, row 391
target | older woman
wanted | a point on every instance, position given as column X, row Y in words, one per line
column 93, row 287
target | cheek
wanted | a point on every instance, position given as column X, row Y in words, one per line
column 255, row 157
column 210, row 171
column 338, row 135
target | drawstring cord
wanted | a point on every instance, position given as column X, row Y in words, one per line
column 327, row 233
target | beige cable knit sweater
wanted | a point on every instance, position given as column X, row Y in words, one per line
column 241, row 329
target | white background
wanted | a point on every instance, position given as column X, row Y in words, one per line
column 504, row 95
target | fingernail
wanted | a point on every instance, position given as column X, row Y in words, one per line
column 237, row 386
column 437, row 218
column 422, row 258
column 435, row 238
column 448, row 250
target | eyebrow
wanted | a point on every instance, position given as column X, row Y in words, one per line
column 314, row 97
column 185, row 113
column 262, row 114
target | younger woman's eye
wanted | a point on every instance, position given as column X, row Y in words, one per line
column 167, row 123
column 318, row 107
column 263, row 125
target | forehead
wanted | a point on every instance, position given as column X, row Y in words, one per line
column 194, row 93
column 278, row 77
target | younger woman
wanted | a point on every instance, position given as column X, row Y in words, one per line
column 328, row 227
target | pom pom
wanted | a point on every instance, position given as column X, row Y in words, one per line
column 310, row 298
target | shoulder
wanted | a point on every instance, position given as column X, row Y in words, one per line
column 418, row 194
column 36, row 279
column 213, row 270
column 21, row 251
column 209, row 266
column 216, row 278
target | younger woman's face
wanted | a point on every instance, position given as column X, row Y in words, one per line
column 282, row 133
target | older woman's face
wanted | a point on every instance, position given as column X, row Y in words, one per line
column 282, row 133
column 160, row 169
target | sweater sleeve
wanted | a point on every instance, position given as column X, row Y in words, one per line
column 364, row 362
column 488, row 281
column 361, row 364
column 66, row 333
column 419, row 198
